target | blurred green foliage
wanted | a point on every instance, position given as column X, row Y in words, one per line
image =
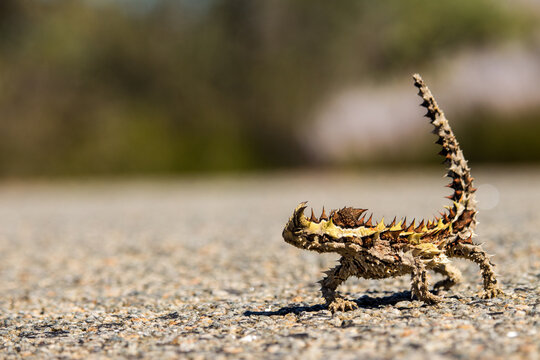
column 103, row 87
column 495, row 138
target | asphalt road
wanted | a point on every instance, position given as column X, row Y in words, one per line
column 196, row 268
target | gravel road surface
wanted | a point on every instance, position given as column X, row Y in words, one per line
column 196, row 268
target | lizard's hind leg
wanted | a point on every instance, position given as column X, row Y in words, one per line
column 452, row 274
column 335, row 277
column 420, row 284
column 476, row 254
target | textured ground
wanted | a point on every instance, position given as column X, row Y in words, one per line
column 197, row 269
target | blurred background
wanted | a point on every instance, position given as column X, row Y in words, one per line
column 159, row 87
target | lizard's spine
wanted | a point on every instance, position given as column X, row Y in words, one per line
column 462, row 214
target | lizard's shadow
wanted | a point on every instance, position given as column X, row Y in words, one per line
column 365, row 302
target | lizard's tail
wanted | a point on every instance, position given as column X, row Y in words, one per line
column 462, row 214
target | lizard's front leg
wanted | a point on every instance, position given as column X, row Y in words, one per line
column 420, row 284
column 335, row 277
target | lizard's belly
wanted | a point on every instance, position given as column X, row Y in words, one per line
column 371, row 268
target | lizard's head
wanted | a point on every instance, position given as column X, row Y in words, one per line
column 295, row 230
column 324, row 234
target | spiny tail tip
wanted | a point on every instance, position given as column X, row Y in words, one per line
column 417, row 80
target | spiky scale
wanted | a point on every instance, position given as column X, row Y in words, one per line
column 312, row 218
column 358, row 213
column 323, row 215
column 368, row 223
column 380, row 225
column 411, row 227
column 420, row 227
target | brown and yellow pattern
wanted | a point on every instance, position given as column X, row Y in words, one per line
column 375, row 250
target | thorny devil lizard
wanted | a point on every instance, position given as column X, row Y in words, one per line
column 376, row 251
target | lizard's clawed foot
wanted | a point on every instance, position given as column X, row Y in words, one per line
column 492, row 292
column 432, row 299
column 340, row 304
column 429, row 298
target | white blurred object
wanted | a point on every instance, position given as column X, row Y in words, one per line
column 487, row 196
column 362, row 121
